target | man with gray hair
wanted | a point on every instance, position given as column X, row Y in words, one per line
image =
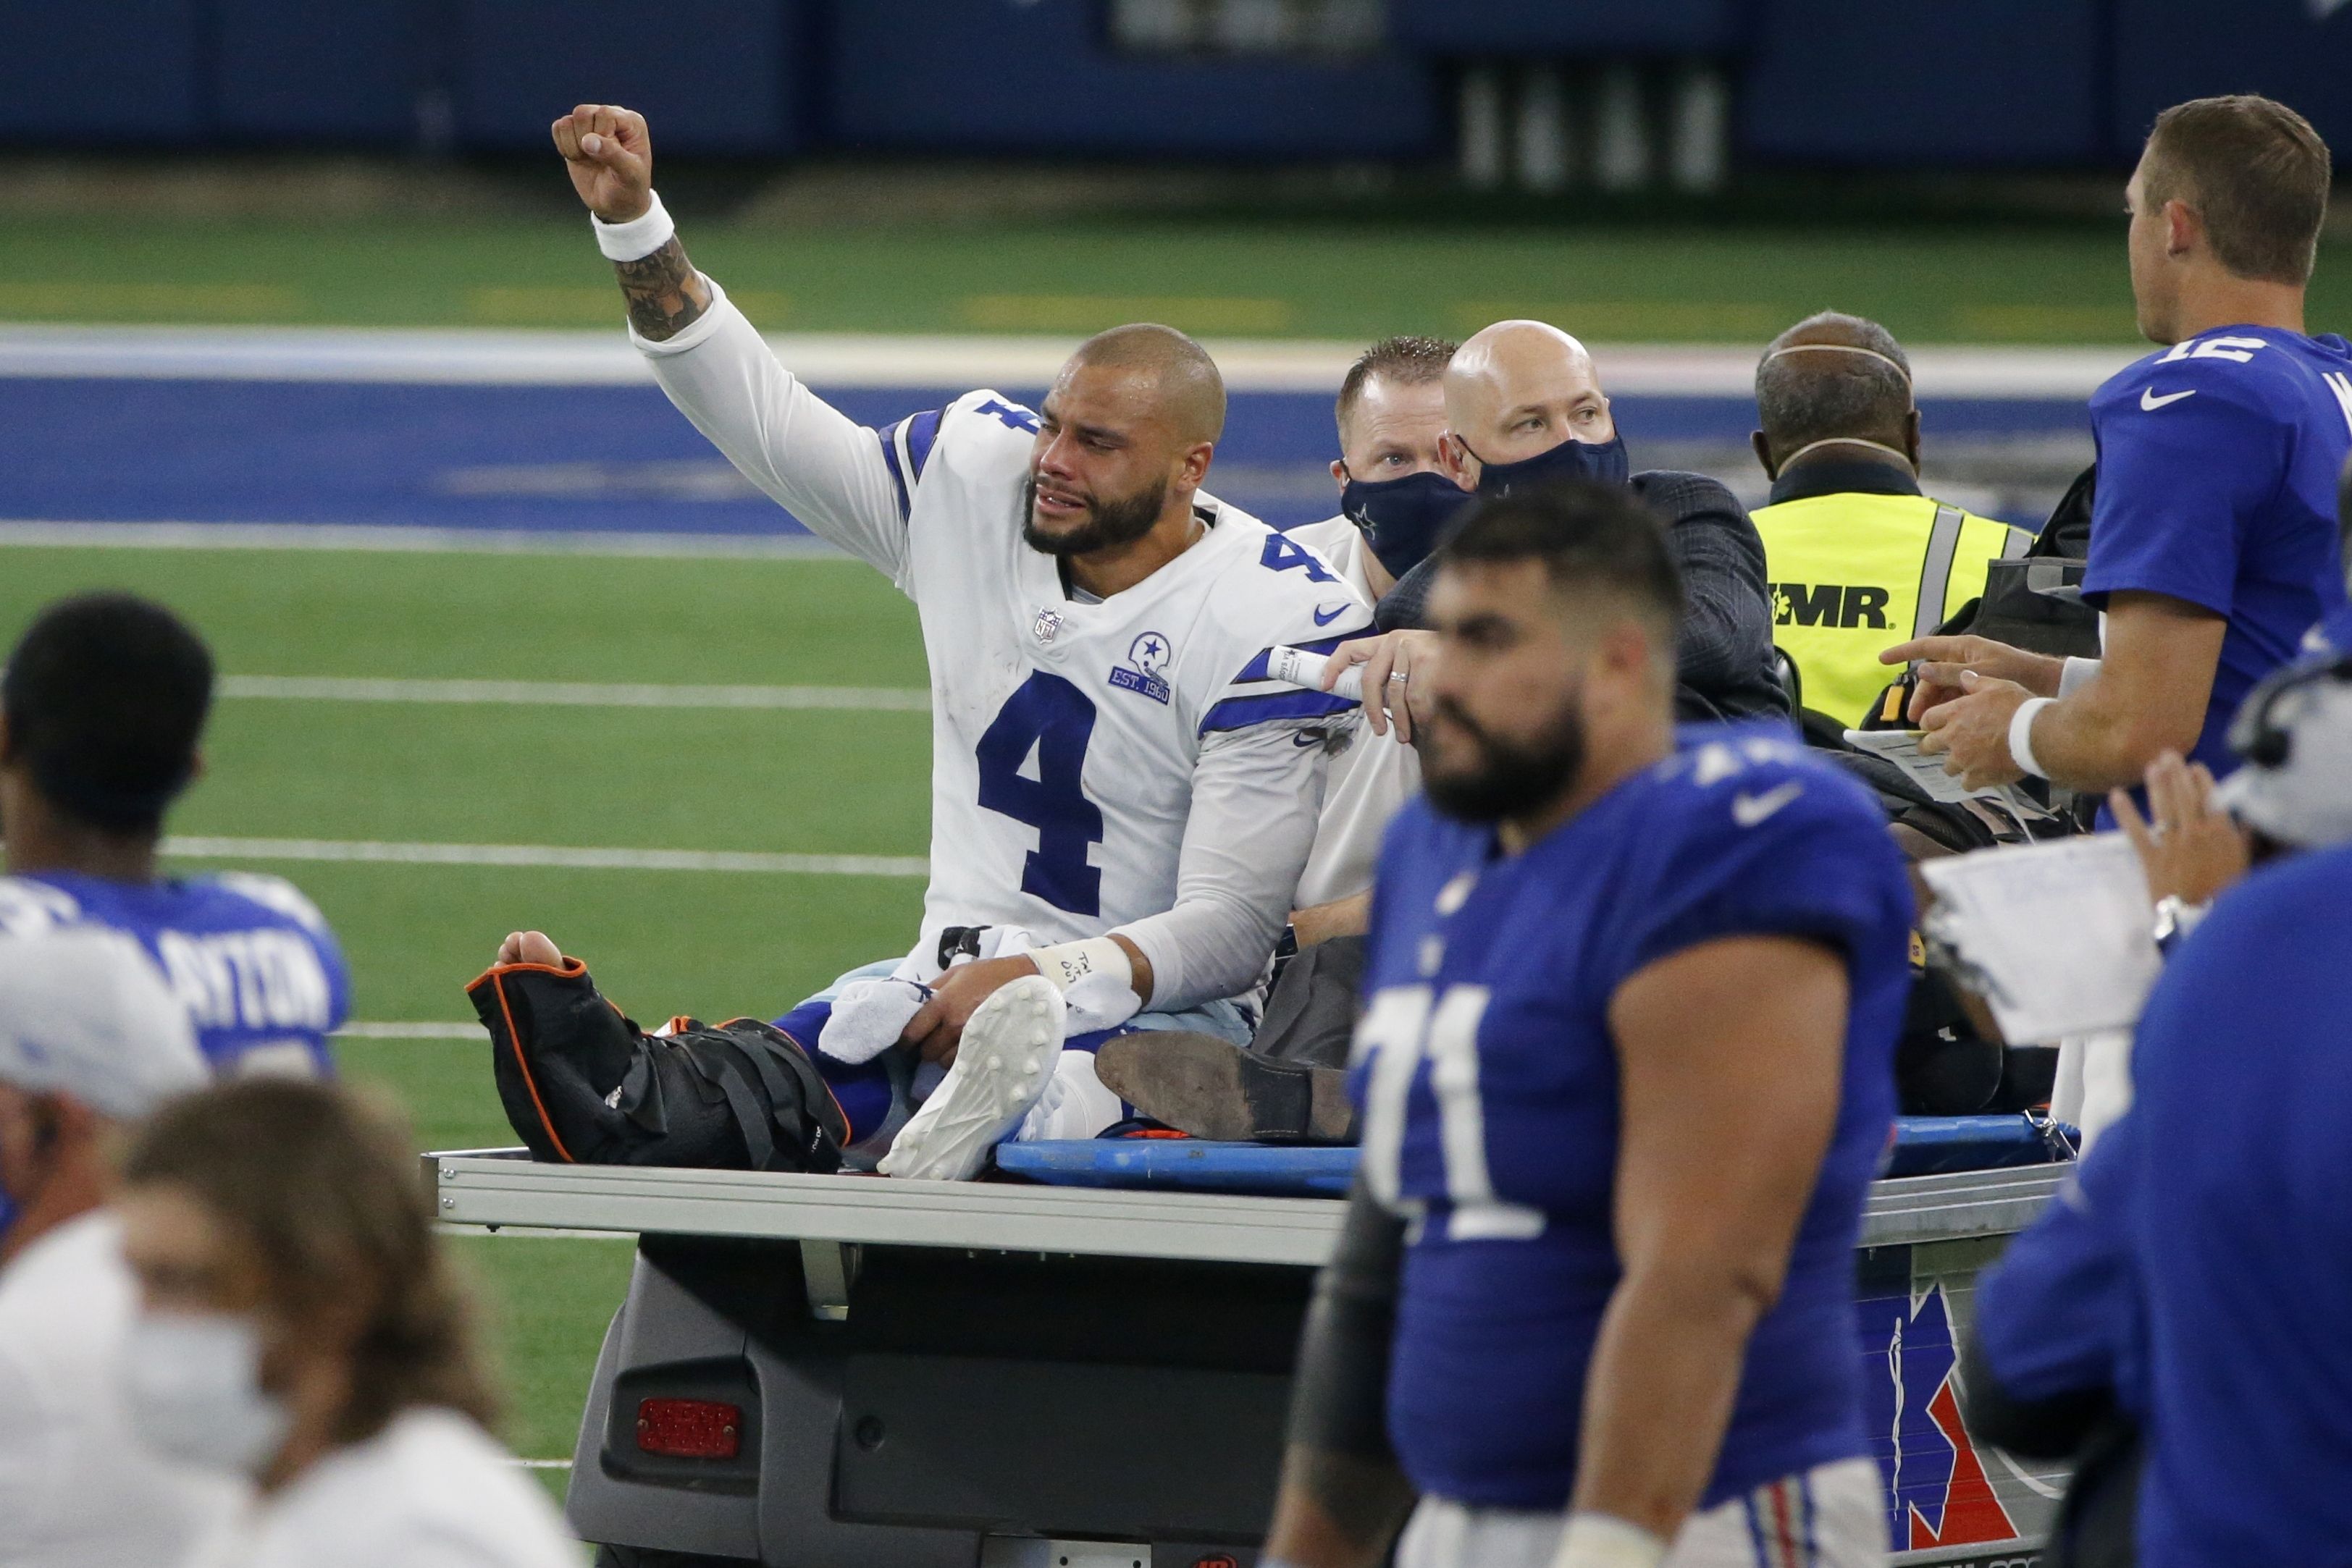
column 92, row 1038
column 1857, row 554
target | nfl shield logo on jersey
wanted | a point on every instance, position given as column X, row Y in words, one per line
column 1046, row 626
column 1146, row 669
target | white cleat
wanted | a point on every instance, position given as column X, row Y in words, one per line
column 1002, row 1068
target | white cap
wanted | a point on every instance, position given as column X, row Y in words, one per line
column 86, row 1014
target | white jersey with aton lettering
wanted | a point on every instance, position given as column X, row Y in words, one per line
column 1117, row 765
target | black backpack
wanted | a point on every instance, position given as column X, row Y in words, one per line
column 584, row 1085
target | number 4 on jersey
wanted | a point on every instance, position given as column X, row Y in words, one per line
column 1055, row 718
column 1281, row 555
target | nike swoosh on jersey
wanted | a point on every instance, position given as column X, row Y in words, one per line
column 2149, row 403
column 1749, row 809
column 1337, row 610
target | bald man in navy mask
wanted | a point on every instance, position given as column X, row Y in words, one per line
column 1524, row 408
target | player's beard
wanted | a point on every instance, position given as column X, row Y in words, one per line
column 1108, row 524
column 1509, row 778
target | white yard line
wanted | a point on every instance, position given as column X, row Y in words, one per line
column 460, row 357
column 467, row 1030
column 544, row 856
column 75, row 534
column 545, row 1464
column 575, row 694
column 535, row 1233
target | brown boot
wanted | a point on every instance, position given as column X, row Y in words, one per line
column 1210, row 1088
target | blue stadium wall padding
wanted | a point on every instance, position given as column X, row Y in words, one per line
column 966, row 75
column 2167, row 51
column 1567, row 27
column 102, row 72
column 1956, row 83
column 298, row 72
column 1924, row 1145
column 465, row 456
column 718, row 76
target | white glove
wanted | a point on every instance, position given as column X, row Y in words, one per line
column 868, row 1017
column 1100, row 1001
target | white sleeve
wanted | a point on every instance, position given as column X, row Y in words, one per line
column 1255, row 794
column 30, row 1455
column 827, row 469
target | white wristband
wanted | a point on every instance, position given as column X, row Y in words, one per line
column 2021, row 735
column 1604, row 1540
column 1071, row 962
column 639, row 237
column 2076, row 675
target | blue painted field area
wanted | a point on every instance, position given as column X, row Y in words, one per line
column 602, row 458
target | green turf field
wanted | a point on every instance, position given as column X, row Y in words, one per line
column 1269, row 277
column 660, row 942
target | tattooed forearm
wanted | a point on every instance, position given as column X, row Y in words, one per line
column 666, row 295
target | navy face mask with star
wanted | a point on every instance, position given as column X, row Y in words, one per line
column 1603, row 462
column 1402, row 518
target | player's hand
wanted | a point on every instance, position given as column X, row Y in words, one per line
column 530, row 947
column 1942, row 659
column 2190, row 850
column 1390, row 664
column 1970, row 731
column 937, row 1028
column 610, row 158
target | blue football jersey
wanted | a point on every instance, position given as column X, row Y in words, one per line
column 1488, row 1078
column 261, row 976
column 2216, row 467
column 2241, row 1225
column 2060, row 1313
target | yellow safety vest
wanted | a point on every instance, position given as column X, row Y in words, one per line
column 1854, row 573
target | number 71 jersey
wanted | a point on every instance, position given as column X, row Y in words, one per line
column 1065, row 731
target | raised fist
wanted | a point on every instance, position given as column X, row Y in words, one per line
column 610, row 158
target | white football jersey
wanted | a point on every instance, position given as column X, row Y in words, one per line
column 1122, row 765
column 1064, row 733
column 1372, row 776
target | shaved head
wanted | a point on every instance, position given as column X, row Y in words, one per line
column 1124, row 439
column 1834, row 378
column 1190, row 393
column 1518, row 388
column 1513, row 353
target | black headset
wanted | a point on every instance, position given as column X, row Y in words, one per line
column 2256, row 734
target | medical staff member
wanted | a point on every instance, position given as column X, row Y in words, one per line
column 1625, row 1072
column 1856, row 552
column 299, row 1329
column 2214, row 537
column 1525, row 409
column 1395, row 499
column 90, row 1040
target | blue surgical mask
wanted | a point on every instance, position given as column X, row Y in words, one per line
column 1602, row 464
column 1402, row 518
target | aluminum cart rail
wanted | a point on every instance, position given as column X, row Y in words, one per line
column 991, row 1374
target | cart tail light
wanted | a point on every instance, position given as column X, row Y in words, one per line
column 690, row 1428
